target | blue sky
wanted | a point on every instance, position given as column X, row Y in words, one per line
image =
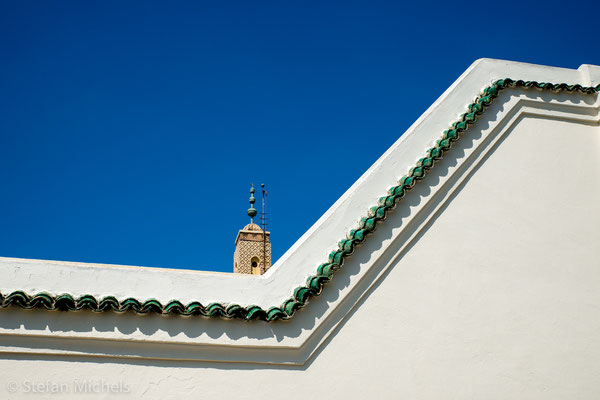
column 130, row 131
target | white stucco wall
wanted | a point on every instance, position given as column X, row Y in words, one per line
column 483, row 283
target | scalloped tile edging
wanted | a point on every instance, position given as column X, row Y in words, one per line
column 324, row 273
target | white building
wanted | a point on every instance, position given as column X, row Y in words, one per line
column 482, row 283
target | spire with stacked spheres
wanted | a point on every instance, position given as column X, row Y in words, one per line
column 252, row 211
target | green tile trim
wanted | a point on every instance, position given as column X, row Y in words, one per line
column 315, row 283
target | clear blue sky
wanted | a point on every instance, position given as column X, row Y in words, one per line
column 130, row 131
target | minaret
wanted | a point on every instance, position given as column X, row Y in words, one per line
column 252, row 254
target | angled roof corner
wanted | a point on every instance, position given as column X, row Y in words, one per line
column 488, row 99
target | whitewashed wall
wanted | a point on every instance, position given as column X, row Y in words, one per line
column 483, row 283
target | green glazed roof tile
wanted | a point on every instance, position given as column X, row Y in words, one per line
column 315, row 283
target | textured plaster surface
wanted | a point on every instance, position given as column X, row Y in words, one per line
column 482, row 283
column 497, row 297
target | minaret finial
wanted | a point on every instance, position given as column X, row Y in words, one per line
column 252, row 211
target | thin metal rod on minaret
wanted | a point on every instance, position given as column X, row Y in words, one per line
column 264, row 225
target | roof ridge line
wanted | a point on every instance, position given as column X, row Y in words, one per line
column 324, row 273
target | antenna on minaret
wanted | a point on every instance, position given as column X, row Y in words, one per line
column 264, row 224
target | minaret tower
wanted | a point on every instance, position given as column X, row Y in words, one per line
column 252, row 246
